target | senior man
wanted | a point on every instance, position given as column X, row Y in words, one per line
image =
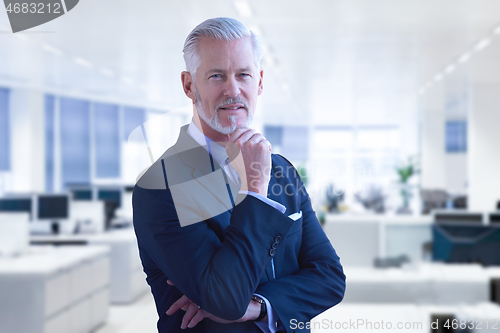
column 226, row 232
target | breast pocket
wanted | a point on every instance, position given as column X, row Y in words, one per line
column 297, row 224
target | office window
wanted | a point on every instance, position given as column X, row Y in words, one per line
column 295, row 143
column 353, row 158
column 377, row 151
column 274, row 134
column 4, row 130
column 289, row 141
column 75, row 141
column 377, row 139
column 49, row 142
column 107, row 142
column 132, row 118
column 456, row 136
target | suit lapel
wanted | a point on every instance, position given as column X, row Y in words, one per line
column 274, row 190
column 198, row 159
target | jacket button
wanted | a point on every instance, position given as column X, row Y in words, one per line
column 277, row 239
column 272, row 252
column 274, row 246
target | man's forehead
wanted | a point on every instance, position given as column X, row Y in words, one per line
column 221, row 55
column 217, row 48
column 206, row 41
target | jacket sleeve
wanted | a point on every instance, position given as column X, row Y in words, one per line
column 319, row 283
column 220, row 276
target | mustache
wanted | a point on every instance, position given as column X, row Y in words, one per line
column 232, row 100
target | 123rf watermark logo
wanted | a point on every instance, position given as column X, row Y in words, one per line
column 26, row 14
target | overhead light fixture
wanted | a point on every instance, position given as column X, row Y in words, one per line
column 482, row 44
column 421, row 91
column 438, row 77
column 154, row 93
column 243, row 8
column 464, row 58
column 82, row 62
column 107, row 72
column 21, row 36
column 450, row 68
column 496, row 31
column 127, row 80
column 155, row 96
column 52, row 49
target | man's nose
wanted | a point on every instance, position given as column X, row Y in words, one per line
column 232, row 88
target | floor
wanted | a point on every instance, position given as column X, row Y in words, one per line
column 139, row 316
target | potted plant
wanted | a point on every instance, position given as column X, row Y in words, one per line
column 405, row 171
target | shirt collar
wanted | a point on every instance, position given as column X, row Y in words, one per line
column 217, row 151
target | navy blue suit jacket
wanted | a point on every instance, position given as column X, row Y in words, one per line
column 221, row 255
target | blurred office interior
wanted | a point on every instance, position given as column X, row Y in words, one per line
column 389, row 110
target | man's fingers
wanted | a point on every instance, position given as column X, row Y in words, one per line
column 170, row 282
column 190, row 313
column 238, row 133
column 256, row 138
column 199, row 316
column 181, row 302
column 245, row 137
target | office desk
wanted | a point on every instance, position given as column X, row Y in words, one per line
column 54, row 290
column 127, row 280
column 431, row 283
column 359, row 239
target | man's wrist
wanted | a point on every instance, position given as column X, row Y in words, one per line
column 252, row 313
column 257, row 188
column 263, row 309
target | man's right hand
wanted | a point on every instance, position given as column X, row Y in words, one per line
column 194, row 314
column 250, row 155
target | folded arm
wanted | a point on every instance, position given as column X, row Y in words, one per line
column 220, row 276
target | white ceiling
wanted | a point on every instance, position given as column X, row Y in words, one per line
column 332, row 61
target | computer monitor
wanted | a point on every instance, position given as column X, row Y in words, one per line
column 53, row 208
column 17, row 204
column 466, row 244
column 82, row 194
column 495, row 219
column 458, row 217
column 112, row 198
column 110, row 194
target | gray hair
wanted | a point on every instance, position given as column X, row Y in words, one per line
column 222, row 28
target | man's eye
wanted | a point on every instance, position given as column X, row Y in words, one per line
column 216, row 76
column 244, row 74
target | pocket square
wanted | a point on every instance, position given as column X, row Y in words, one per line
column 296, row 216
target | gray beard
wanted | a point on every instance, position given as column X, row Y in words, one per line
column 214, row 121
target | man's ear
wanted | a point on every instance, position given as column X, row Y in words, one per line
column 188, row 85
column 261, row 81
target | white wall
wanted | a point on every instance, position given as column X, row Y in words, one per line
column 484, row 152
column 433, row 156
column 27, row 140
column 456, row 173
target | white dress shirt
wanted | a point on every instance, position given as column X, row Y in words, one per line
column 219, row 154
